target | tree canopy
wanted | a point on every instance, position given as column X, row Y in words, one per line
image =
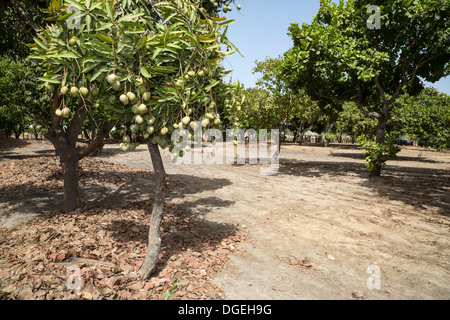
column 339, row 58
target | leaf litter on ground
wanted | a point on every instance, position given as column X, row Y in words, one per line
column 106, row 241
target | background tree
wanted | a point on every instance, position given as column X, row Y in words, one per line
column 22, row 103
column 305, row 116
column 282, row 96
column 423, row 117
column 352, row 122
column 271, row 104
column 338, row 58
column 19, row 22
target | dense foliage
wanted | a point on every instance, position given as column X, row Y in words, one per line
column 150, row 72
column 424, row 117
column 21, row 102
column 339, row 58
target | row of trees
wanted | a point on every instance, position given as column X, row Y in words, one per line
column 149, row 67
column 272, row 104
column 342, row 75
column 21, row 102
column 340, row 58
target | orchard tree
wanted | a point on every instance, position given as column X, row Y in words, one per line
column 153, row 66
column 250, row 109
column 19, row 22
column 282, row 102
column 353, row 123
column 425, row 116
column 287, row 107
column 349, row 54
column 271, row 104
column 21, row 102
column 306, row 115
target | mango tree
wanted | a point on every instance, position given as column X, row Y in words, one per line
column 153, row 66
column 369, row 53
column 21, row 102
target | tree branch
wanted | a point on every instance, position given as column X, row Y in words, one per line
column 380, row 89
column 24, row 15
column 97, row 141
column 76, row 124
column 55, row 100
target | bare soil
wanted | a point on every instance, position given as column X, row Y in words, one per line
column 313, row 230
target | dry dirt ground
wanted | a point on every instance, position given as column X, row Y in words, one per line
column 320, row 228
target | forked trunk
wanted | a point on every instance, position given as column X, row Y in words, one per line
column 154, row 234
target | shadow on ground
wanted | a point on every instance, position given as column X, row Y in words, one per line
column 416, row 186
column 107, row 192
column 7, row 144
column 362, row 156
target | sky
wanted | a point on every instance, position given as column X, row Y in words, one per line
column 260, row 31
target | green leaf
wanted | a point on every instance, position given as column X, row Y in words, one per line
column 43, row 46
column 108, row 10
column 145, row 73
column 104, row 36
column 99, row 72
column 130, row 17
column 212, row 85
column 50, row 80
column 88, row 23
column 105, row 26
column 75, row 3
column 67, row 55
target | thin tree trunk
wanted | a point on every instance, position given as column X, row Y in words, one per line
column 36, row 133
column 280, row 140
column 301, row 133
column 154, row 234
column 380, row 139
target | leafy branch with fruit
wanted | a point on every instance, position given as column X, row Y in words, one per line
column 153, row 67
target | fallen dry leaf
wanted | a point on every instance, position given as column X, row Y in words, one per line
column 105, row 240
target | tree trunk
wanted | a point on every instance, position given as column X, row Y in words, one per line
column 380, row 139
column 301, row 133
column 17, row 133
column 154, row 234
column 325, row 141
column 71, row 186
column 36, row 133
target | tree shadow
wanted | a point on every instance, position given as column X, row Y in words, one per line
column 181, row 231
column 417, row 186
column 184, row 225
column 316, row 169
column 423, row 188
column 362, row 156
column 111, row 152
column 346, row 146
column 15, row 156
column 7, row 144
